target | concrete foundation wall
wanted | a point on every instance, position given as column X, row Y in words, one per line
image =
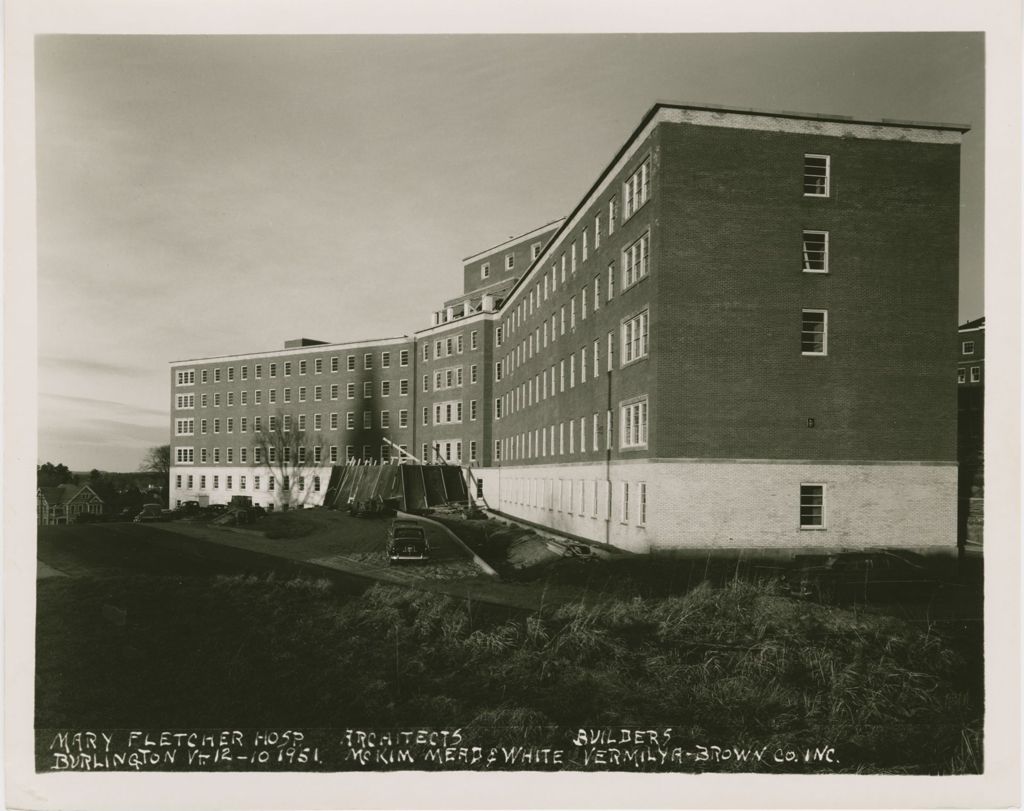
column 734, row 504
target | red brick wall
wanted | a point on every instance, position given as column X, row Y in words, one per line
column 731, row 381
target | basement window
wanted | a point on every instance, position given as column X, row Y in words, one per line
column 812, row 506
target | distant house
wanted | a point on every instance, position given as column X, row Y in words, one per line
column 63, row 503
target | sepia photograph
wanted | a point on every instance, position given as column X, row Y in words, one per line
column 534, row 403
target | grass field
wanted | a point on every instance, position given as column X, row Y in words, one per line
column 738, row 663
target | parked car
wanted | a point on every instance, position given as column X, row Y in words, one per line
column 882, row 575
column 151, row 512
column 406, row 540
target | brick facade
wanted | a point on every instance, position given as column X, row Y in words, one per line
column 700, row 313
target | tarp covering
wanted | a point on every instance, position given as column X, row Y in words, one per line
column 416, row 487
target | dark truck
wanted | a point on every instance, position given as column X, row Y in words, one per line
column 406, row 540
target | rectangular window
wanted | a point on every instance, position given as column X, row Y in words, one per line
column 350, row 453
column 244, row 371
column 636, row 261
column 385, row 388
column 350, row 420
column 287, row 395
column 385, row 419
column 385, row 360
column 287, row 368
column 318, row 393
column 961, row 375
column 634, row 338
column 812, row 506
column 485, row 270
column 258, row 371
column 351, row 363
column 967, row 348
column 814, row 332
column 633, row 427
column 641, row 492
column 472, row 409
column 333, row 454
column 975, row 374
column 613, row 215
column 318, row 422
column 367, row 389
column 403, row 357
column 350, row 391
column 624, row 515
column 273, row 370
column 510, row 261
column 334, row 421
column 367, row 419
column 302, row 393
column 403, row 386
column 815, row 252
column 368, row 360
column 318, row 366
column 403, row 418
column 817, row 170
column 636, row 190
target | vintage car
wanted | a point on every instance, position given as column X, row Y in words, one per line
column 881, row 575
column 406, row 540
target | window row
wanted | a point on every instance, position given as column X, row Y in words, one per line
column 287, row 368
column 961, row 374
column 571, row 436
column 301, row 394
column 448, row 451
column 188, row 482
column 451, row 345
column 635, row 266
column 581, row 497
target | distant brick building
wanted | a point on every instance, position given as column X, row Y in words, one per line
column 63, row 503
column 970, row 378
column 737, row 338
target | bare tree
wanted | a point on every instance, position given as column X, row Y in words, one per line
column 292, row 457
column 157, row 460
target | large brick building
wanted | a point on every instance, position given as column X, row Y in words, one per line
column 739, row 337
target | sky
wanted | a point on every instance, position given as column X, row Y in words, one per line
column 207, row 195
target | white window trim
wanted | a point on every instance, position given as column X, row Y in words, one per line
column 824, row 507
column 824, row 335
column 828, row 174
column 803, row 251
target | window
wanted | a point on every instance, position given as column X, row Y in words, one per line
column 624, row 515
column 271, row 396
column 287, row 367
column 334, row 391
column 273, row 370
column 472, row 409
column 333, row 454
column 816, row 175
column 633, row 430
column 318, row 393
column 385, row 388
column 636, row 190
column 426, row 415
column 258, row 371
column 351, row 363
column 485, row 270
column 403, row 386
column 287, row 395
column 216, row 375
column 302, row 394
column 318, row 366
column 815, row 251
column 350, row 391
column 961, row 375
column 187, row 377
column 635, row 261
column 368, row 360
column 474, row 339
column 641, row 492
column 216, row 399
column 611, row 280
column 184, row 456
column 613, row 215
column 975, row 374
column 534, row 251
column 814, row 332
column 367, row 419
column 334, row 420
column 367, row 389
column 634, row 338
column 497, row 409
column 403, row 418
column 510, row 261
column 385, row 360
column 385, row 419
column 812, row 506
column 967, row 348
column 403, row 357
column 350, row 453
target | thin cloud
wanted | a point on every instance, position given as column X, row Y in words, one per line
column 125, row 409
column 93, row 367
